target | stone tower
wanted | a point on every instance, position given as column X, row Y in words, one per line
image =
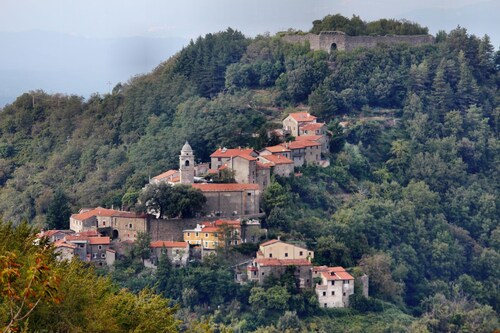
column 186, row 164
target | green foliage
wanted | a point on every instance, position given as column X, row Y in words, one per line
column 356, row 27
column 172, row 201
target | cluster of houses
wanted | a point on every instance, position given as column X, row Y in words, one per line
column 99, row 235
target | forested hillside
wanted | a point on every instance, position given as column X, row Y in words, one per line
column 410, row 197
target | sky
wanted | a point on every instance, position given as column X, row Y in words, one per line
column 80, row 47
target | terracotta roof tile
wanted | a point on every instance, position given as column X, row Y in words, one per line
column 312, row 126
column 302, row 116
column 99, row 211
column 228, row 153
column 166, row 174
column 276, row 159
column 300, row 144
column 269, row 242
column 277, row 149
column 167, row 244
column 99, row 240
column 205, row 187
column 309, row 138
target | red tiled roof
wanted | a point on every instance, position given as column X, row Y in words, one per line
column 99, row 240
column 335, row 273
column 228, row 153
column 277, row 159
column 204, row 187
column 308, row 137
column 282, row 262
column 302, row 116
column 99, row 211
column 227, row 222
column 277, row 149
column 269, row 242
column 312, row 126
column 160, row 244
column 62, row 243
column 166, row 174
column 300, row 144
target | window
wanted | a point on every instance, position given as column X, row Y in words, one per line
column 333, row 293
column 324, row 293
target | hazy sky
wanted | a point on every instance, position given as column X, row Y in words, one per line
column 78, row 46
column 190, row 18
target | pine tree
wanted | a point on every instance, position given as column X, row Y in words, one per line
column 58, row 212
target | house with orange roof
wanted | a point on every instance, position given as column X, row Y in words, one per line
column 312, row 129
column 294, row 121
column 117, row 224
column 334, row 286
column 276, row 150
column 275, row 258
column 279, row 164
column 177, row 252
column 210, row 236
column 304, row 152
column 243, row 162
column 230, row 200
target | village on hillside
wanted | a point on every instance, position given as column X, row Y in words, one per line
column 230, row 216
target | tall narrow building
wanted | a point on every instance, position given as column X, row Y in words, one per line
column 186, row 164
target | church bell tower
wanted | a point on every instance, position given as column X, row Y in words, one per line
column 186, row 164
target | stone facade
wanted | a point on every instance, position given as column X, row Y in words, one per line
column 337, row 40
column 231, row 200
column 334, row 287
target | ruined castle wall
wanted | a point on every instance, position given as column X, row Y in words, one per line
column 354, row 42
column 313, row 40
column 330, row 40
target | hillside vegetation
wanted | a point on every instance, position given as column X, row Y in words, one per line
column 410, row 198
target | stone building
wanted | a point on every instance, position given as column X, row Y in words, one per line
column 280, row 165
column 177, row 252
column 304, row 152
column 230, row 200
column 334, row 287
column 294, row 121
column 275, row 258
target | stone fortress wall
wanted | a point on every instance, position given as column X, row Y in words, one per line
column 337, row 40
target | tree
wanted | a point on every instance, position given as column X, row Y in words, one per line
column 142, row 245
column 58, row 212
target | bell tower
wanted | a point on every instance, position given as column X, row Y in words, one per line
column 186, row 164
